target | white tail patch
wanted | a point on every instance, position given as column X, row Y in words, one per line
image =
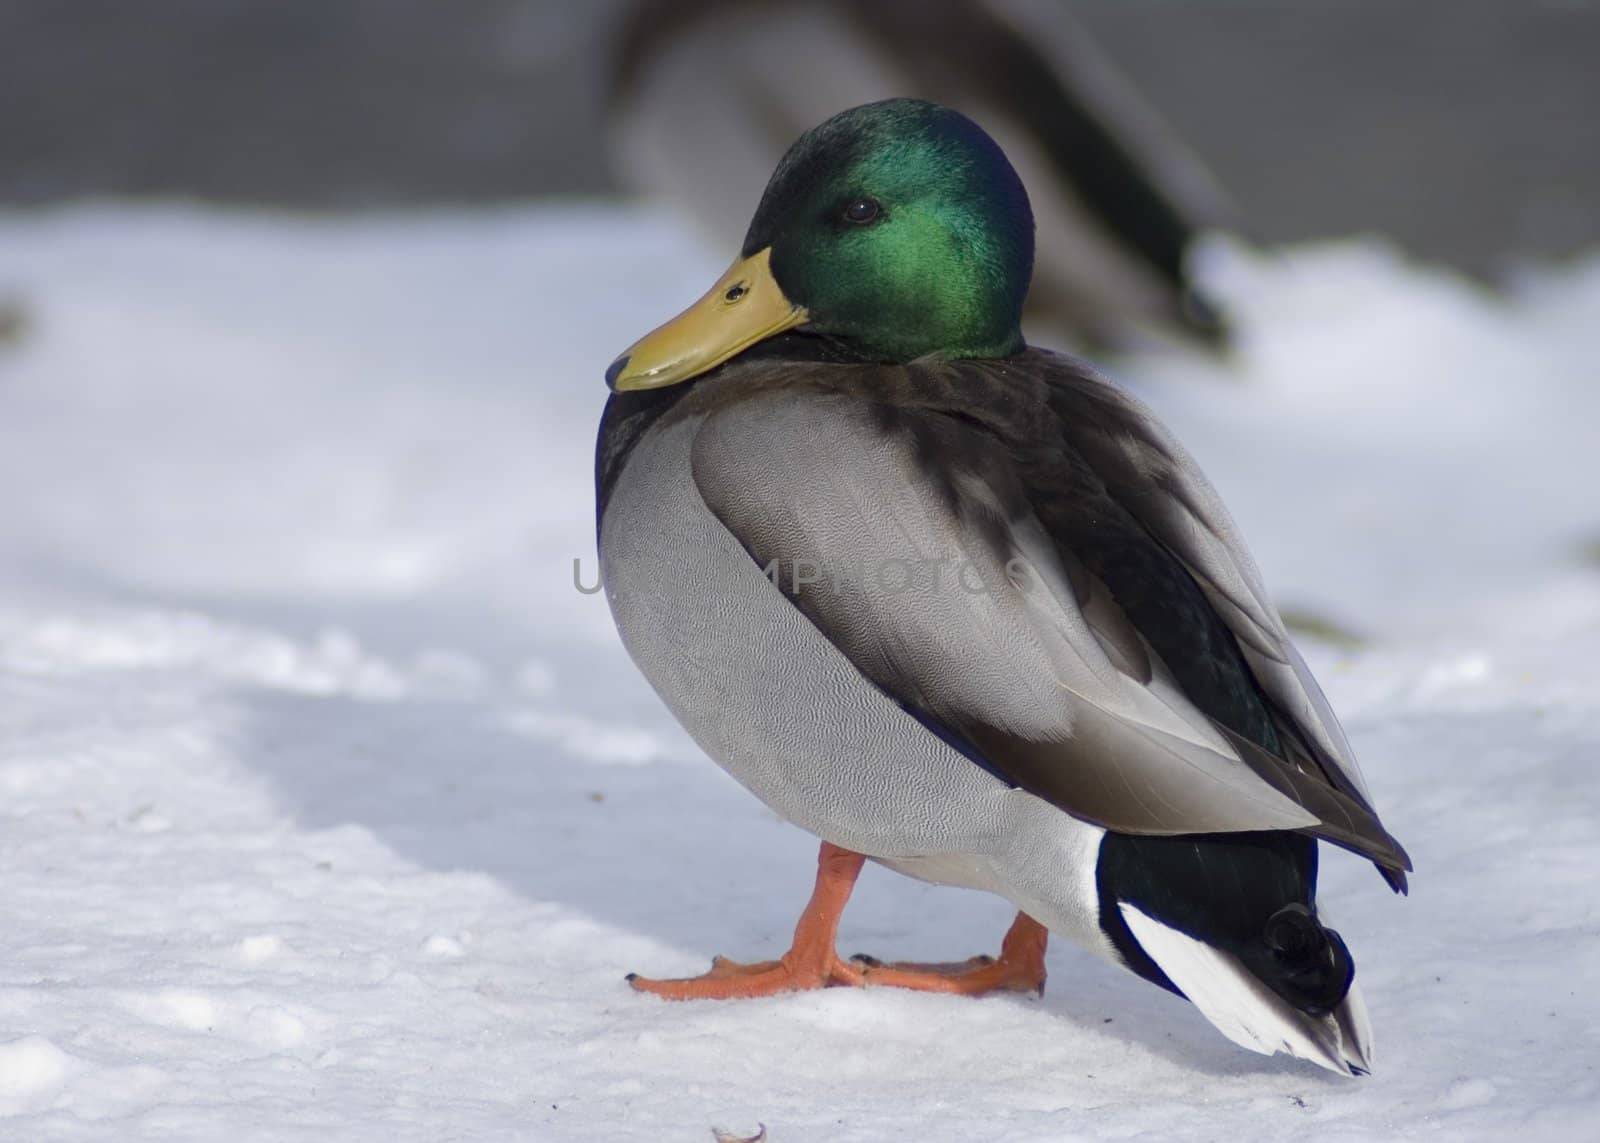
column 1248, row 1012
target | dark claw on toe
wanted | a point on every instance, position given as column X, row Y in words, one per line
column 866, row 961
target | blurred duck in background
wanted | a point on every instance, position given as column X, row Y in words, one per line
column 707, row 95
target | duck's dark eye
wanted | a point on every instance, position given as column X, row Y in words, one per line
column 861, row 211
column 734, row 292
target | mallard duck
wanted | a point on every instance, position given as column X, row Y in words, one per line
column 707, row 94
column 962, row 607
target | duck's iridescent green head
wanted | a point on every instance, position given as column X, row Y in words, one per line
column 898, row 228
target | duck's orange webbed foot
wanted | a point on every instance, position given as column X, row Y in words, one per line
column 811, row 961
column 1018, row 968
column 730, row 980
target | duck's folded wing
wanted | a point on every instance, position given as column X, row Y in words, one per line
column 1150, row 475
column 908, row 536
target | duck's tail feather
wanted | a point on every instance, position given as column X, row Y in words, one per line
column 1337, row 1036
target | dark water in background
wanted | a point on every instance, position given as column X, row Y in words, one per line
column 1465, row 128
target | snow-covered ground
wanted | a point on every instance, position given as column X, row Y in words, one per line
column 329, row 809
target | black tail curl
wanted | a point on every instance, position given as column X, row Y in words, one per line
column 1246, row 894
column 1310, row 967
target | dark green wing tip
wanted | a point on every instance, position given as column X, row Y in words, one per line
column 1376, row 844
column 1392, row 862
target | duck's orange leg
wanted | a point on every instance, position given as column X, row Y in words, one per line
column 811, row 961
column 1019, row 968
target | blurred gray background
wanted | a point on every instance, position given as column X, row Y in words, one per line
column 1463, row 128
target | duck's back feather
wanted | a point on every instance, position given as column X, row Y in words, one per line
column 1120, row 657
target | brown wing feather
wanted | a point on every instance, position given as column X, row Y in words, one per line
column 1121, row 690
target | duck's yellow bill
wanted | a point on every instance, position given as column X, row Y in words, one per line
column 744, row 307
